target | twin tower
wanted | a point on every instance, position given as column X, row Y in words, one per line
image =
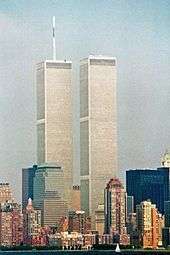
column 98, row 124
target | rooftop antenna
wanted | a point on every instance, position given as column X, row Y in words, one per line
column 54, row 46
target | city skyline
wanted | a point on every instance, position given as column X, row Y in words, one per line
column 142, row 75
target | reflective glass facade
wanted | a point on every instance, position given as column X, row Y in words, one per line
column 148, row 184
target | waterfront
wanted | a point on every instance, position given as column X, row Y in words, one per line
column 94, row 252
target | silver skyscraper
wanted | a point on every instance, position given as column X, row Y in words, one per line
column 54, row 118
column 98, row 129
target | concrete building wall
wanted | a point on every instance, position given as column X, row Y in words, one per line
column 76, row 205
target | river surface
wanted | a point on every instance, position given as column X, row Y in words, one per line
column 94, row 252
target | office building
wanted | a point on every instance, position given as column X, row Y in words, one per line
column 27, row 184
column 147, row 224
column 132, row 229
column 79, row 222
column 129, row 205
column 11, row 224
column 76, row 205
column 99, row 219
column 148, row 184
column 31, row 222
column 54, row 118
column 165, row 159
column 161, row 225
column 166, row 229
column 98, row 129
column 115, row 209
column 49, row 194
column 5, row 192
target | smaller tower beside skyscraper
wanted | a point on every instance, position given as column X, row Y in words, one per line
column 27, row 184
column 115, row 209
column 148, row 221
column 49, row 194
column 31, row 222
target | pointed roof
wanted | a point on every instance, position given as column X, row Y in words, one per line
column 29, row 206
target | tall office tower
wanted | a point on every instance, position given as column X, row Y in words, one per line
column 31, row 221
column 165, row 159
column 5, row 192
column 115, row 207
column 11, row 224
column 54, row 118
column 49, row 194
column 148, row 184
column 98, row 129
column 27, row 184
column 147, row 224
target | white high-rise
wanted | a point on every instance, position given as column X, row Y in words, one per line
column 98, row 129
column 54, row 118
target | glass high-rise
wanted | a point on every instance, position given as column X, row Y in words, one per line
column 49, row 194
column 98, row 129
column 27, row 184
column 148, row 184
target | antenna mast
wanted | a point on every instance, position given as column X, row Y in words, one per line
column 54, row 46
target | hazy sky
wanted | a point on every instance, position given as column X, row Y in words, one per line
column 136, row 32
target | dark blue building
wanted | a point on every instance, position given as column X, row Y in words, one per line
column 166, row 229
column 27, row 184
column 148, row 184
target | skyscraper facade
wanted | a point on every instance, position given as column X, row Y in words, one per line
column 54, row 118
column 5, row 192
column 49, row 194
column 115, row 207
column 148, row 184
column 31, row 222
column 11, row 224
column 27, row 184
column 147, row 218
column 78, row 222
column 98, row 129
